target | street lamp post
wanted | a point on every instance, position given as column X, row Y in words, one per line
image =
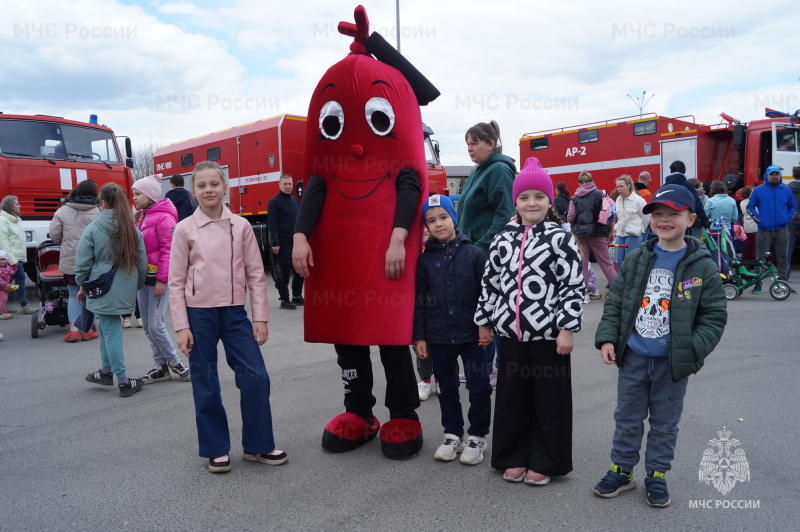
column 397, row 9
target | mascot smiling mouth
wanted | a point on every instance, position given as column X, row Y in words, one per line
column 354, row 187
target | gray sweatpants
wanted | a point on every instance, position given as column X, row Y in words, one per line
column 644, row 385
column 152, row 309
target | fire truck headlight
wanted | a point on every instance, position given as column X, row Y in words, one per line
column 28, row 236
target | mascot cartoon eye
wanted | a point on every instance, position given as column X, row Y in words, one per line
column 331, row 120
column 380, row 115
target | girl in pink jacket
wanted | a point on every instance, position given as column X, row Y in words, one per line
column 215, row 260
column 156, row 220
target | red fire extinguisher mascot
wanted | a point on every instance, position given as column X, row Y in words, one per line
column 359, row 233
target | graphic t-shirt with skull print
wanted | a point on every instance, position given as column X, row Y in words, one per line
column 650, row 337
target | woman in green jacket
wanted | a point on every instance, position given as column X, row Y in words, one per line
column 485, row 206
column 112, row 242
column 486, row 203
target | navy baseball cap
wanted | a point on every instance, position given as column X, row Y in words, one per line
column 676, row 196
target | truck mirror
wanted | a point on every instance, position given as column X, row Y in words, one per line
column 436, row 148
column 128, row 149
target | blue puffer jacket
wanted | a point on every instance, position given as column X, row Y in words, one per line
column 772, row 206
column 448, row 287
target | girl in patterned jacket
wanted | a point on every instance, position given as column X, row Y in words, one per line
column 532, row 296
column 156, row 220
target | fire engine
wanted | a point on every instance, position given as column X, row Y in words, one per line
column 735, row 152
column 42, row 158
column 254, row 156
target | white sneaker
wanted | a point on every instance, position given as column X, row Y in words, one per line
column 138, row 323
column 450, row 448
column 473, row 452
column 424, row 389
column 586, row 298
column 126, row 323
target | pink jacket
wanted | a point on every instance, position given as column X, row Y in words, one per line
column 157, row 224
column 213, row 264
column 6, row 274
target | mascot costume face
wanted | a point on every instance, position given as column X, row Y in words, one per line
column 361, row 233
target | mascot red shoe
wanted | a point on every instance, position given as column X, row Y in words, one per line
column 359, row 233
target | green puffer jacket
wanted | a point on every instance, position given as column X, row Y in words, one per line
column 486, row 205
column 698, row 308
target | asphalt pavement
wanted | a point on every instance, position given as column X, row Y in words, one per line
column 76, row 457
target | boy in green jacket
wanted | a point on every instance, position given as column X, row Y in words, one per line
column 665, row 314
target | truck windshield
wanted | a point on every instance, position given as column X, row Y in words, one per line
column 51, row 140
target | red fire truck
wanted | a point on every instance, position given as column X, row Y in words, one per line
column 42, row 158
column 253, row 157
column 732, row 151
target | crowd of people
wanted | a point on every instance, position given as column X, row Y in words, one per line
column 500, row 284
column 524, row 296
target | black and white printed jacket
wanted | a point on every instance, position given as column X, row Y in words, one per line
column 532, row 299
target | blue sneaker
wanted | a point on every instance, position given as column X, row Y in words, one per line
column 615, row 482
column 656, row 494
column 756, row 291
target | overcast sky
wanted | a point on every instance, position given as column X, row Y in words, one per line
column 167, row 71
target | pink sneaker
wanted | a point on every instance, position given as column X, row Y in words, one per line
column 493, row 378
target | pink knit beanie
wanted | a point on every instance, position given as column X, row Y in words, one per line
column 533, row 177
column 150, row 186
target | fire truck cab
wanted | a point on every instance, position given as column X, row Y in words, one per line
column 42, row 158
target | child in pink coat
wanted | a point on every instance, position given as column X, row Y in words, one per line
column 7, row 272
column 156, row 219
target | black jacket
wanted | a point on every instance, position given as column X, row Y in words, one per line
column 183, row 202
column 587, row 209
column 281, row 216
column 448, row 287
column 561, row 205
column 679, row 179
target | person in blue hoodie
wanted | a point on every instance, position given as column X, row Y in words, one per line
column 677, row 177
column 772, row 206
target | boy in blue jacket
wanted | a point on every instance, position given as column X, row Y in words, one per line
column 448, row 286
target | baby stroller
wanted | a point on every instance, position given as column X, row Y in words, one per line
column 53, row 292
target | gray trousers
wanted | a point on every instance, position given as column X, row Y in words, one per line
column 645, row 386
column 780, row 241
column 152, row 309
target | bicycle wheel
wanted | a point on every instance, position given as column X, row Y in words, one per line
column 731, row 292
column 779, row 290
